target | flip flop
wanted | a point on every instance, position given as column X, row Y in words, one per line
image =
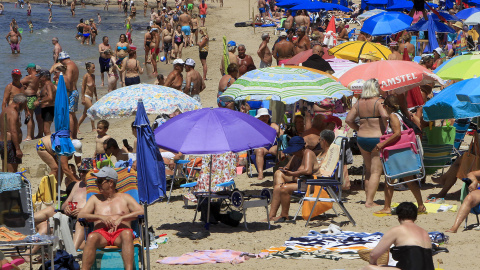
column 281, row 220
column 185, row 234
column 200, row 235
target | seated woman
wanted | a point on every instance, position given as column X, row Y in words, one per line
column 413, row 247
column 260, row 153
column 471, row 201
column 303, row 162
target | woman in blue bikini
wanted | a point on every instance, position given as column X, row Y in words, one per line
column 370, row 126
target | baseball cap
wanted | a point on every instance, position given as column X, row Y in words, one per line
column 333, row 119
column 43, row 73
column 439, row 50
column 31, row 65
column 63, row 55
column 295, row 144
column 16, row 71
column 190, row 62
column 231, row 43
column 178, row 61
column 283, row 34
column 78, row 147
column 107, row 172
column 262, row 112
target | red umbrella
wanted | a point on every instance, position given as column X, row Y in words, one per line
column 303, row 56
column 397, row 75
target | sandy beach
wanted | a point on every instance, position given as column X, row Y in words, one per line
column 172, row 218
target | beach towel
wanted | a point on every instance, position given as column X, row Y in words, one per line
column 46, row 193
column 126, row 181
column 10, row 182
column 330, row 162
column 211, row 256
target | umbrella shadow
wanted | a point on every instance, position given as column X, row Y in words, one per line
column 218, row 228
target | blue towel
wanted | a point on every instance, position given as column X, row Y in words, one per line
column 10, row 182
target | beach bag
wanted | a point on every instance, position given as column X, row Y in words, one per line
column 470, row 159
column 63, row 261
column 46, row 193
column 320, row 208
column 440, row 135
column 407, row 136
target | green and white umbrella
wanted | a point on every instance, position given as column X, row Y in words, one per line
column 287, row 84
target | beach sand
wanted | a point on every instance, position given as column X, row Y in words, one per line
column 172, row 218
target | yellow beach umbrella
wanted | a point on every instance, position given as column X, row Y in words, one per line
column 354, row 49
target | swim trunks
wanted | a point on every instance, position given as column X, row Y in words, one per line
column 261, row 10
column 264, row 65
column 203, row 55
column 111, row 236
column 30, row 102
column 203, row 16
column 190, row 7
column 167, row 47
column 186, row 30
column 41, row 146
column 104, row 64
column 48, row 113
column 11, row 153
column 155, row 51
column 15, row 46
column 281, row 62
column 86, row 34
column 73, row 101
column 132, row 81
column 129, row 27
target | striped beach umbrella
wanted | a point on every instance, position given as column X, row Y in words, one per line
column 287, row 84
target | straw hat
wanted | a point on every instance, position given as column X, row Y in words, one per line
column 458, row 24
column 365, row 255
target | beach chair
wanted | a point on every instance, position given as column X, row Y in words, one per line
column 463, row 193
column 461, row 128
column 329, row 183
column 437, row 147
column 401, row 161
column 110, row 256
column 182, row 171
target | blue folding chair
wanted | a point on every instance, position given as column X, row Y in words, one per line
column 461, row 128
column 400, row 161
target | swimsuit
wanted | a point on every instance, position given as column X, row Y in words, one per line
column 72, row 101
column 11, row 153
column 284, row 61
column 147, row 43
column 15, row 46
column 221, row 103
column 89, row 97
column 367, row 143
column 86, row 34
column 186, row 30
column 104, row 64
column 178, row 39
column 30, row 102
column 261, row 10
column 48, row 113
column 41, row 146
column 129, row 27
column 132, row 81
column 413, row 257
column 167, row 47
column 111, row 236
column 190, row 7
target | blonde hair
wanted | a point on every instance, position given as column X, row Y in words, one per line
column 371, row 88
column 204, row 30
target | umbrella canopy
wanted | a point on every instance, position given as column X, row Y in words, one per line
column 339, row 65
column 213, row 131
column 456, row 60
column 392, row 75
column 386, row 23
column 316, row 6
column 287, row 84
column 432, row 37
column 61, row 142
column 461, row 71
column 435, row 26
column 470, row 91
column 401, row 5
column 446, row 16
column 445, row 105
column 157, row 99
column 150, row 167
column 289, row 3
column 474, row 19
column 353, row 49
column 464, row 14
column 303, row 56
column 370, row 13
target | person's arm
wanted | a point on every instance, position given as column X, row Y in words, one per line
column 169, row 80
column 65, row 207
column 351, row 116
column 95, row 91
column 188, row 81
column 274, row 53
column 222, row 65
column 307, row 164
column 6, row 94
column 84, row 87
column 12, row 123
column 7, row 36
column 19, row 37
column 66, row 169
column 87, row 213
column 385, row 243
column 474, row 175
column 308, row 120
column 203, row 41
column 203, row 85
column 260, row 50
column 383, row 113
column 124, row 65
column 140, row 69
column 397, row 132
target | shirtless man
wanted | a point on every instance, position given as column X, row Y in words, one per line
column 395, row 52
column 14, row 38
column 46, row 100
column 159, row 19
column 56, row 49
column 195, row 28
column 264, row 52
column 231, row 47
column 302, row 43
column 302, row 20
column 31, row 83
column 154, row 47
column 147, row 40
column 14, row 133
column 12, row 89
column 186, row 22
column 72, row 74
column 111, row 148
column 167, row 38
column 103, row 60
column 175, row 78
column 194, row 82
column 72, row 8
column 112, row 214
column 288, row 24
column 245, row 62
column 260, row 153
column 261, row 8
column 284, row 49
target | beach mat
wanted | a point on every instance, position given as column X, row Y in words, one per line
column 432, row 208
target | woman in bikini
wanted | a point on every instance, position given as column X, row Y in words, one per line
column 371, row 126
column 121, row 51
column 132, row 67
column 178, row 39
column 89, row 90
column 224, row 83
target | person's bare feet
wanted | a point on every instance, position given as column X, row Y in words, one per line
column 260, row 177
column 451, row 230
column 384, row 211
column 271, row 219
column 369, row 205
column 27, row 139
column 422, row 209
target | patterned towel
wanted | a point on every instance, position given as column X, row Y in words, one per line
column 210, row 256
column 127, row 182
column 10, row 182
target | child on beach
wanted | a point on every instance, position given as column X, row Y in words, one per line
column 30, row 25
column 50, row 17
column 102, row 128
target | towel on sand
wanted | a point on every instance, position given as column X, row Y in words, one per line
column 211, row 256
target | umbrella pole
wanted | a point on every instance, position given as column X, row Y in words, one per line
column 147, row 236
column 207, row 224
column 59, row 181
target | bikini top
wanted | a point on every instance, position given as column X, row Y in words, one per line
column 122, row 48
column 228, row 84
column 374, row 107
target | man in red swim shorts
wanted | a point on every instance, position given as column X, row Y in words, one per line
column 111, row 213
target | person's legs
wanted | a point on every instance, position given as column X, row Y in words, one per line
column 260, row 160
column 73, row 125
column 50, row 161
column 180, row 48
column 376, row 170
column 38, row 117
column 204, row 65
column 78, row 236
column 448, row 179
column 94, row 241
column 88, row 104
column 30, row 126
column 388, row 200
column 44, row 214
column 415, row 188
column 47, row 127
column 125, row 241
column 285, row 194
column 276, row 195
column 112, row 83
column 472, row 200
column 280, row 178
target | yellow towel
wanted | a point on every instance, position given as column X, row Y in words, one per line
column 46, row 192
column 431, row 208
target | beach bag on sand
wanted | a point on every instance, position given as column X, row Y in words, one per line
column 320, row 208
column 470, row 159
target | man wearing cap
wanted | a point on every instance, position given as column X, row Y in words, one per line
column 395, row 55
column 56, row 49
column 264, row 52
column 284, row 49
column 72, row 74
column 112, row 213
column 317, row 62
column 14, row 133
column 231, row 47
column 195, row 84
column 13, row 88
column 302, row 43
column 260, row 153
column 31, row 83
column 245, row 62
column 46, row 100
column 14, row 38
column 175, row 78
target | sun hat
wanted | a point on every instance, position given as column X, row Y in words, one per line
column 333, row 119
column 190, row 62
column 178, row 61
column 295, row 144
column 31, row 65
column 262, row 112
column 63, row 55
column 439, row 50
column 458, row 24
column 78, row 147
column 16, row 71
column 107, row 172
column 283, row 34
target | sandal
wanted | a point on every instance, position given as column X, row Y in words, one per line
column 436, row 200
column 281, row 220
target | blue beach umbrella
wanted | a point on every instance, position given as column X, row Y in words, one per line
column 386, row 23
column 290, row 3
column 432, row 37
column 150, row 167
column 436, row 26
column 61, row 142
column 470, row 91
column 464, row 14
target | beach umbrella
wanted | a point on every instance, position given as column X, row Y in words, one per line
column 435, row 25
column 401, row 5
column 461, row 71
column 287, row 84
column 353, row 49
column 370, row 13
column 61, row 142
column 316, row 6
column 432, row 37
column 445, row 105
column 470, row 91
column 289, row 3
column 464, row 14
column 151, row 178
column 303, row 56
column 445, row 15
column 386, row 23
column 341, row 66
column 157, row 100
column 377, row 2
column 474, row 19
column 393, row 75
column 456, row 60
column 213, row 131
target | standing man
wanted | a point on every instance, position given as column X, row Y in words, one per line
column 103, row 60
column 186, row 22
column 195, row 83
column 302, row 43
column 46, row 101
column 31, row 83
column 288, row 24
column 14, row 133
column 264, row 52
column 167, row 36
column 72, row 8
column 72, row 74
column 245, row 62
column 190, row 7
column 14, row 38
column 261, row 9
column 12, row 89
column 154, row 47
column 232, row 48
column 203, row 12
column 284, row 49
column 56, row 49
column 175, row 78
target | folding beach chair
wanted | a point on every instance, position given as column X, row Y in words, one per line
column 183, row 171
column 461, row 128
column 400, row 161
column 463, row 193
column 329, row 183
column 110, row 256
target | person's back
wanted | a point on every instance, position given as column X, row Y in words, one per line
column 284, row 49
column 368, row 111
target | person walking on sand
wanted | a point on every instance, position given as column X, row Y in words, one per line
column 185, row 21
column 167, row 41
column 71, row 74
column 194, row 82
column 264, row 52
column 284, row 49
column 14, row 38
column 203, row 12
column 203, row 50
column 103, row 60
column 89, row 91
column 46, row 100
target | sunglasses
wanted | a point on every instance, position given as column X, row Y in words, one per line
column 100, row 180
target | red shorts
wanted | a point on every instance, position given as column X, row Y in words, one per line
column 155, row 51
column 111, row 236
